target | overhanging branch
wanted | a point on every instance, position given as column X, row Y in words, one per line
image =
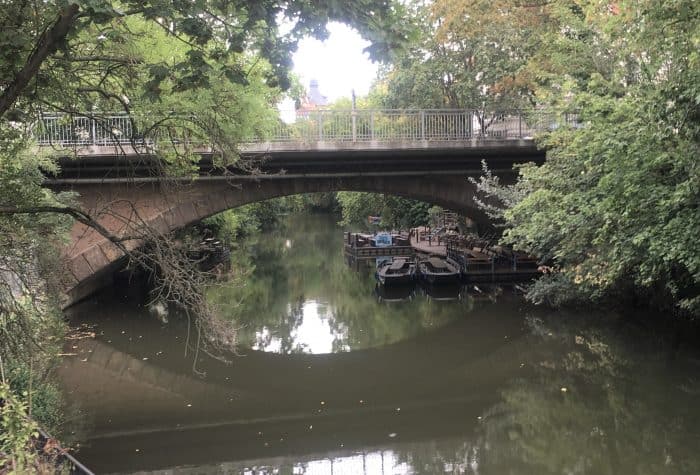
column 76, row 214
column 46, row 45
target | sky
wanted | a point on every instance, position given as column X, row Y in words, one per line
column 338, row 63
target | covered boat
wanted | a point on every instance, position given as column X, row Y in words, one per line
column 400, row 270
column 435, row 270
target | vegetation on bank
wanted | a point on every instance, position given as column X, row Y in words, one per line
column 247, row 220
column 354, row 208
column 395, row 212
column 615, row 207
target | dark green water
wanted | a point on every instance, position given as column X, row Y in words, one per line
column 332, row 379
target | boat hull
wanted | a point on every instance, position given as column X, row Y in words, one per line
column 402, row 279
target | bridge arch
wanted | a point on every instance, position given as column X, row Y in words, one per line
column 122, row 206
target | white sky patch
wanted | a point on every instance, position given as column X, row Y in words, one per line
column 314, row 334
column 338, row 64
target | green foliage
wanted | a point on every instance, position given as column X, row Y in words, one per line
column 614, row 208
column 234, row 223
column 616, row 204
column 396, row 212
column 246, row 220
column 46, row 400
column 189, row 74
column 29, row 261
column 16, row 433
column 208, row 33
column 467, row 54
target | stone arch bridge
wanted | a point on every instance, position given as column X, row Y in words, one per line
column 429, row 161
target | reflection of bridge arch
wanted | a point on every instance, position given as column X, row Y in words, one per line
column 281, row 395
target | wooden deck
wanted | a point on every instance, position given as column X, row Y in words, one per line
column 422, row 242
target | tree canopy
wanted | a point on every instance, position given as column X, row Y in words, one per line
column 615, row 206
column 616, row 203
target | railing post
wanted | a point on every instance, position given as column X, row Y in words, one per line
column 93, row 131
column 520, row 124
column 371, row 125
column 354, row 125
column 422, row 125
column 320, row 126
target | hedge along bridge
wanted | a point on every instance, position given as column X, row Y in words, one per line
column 420, row 154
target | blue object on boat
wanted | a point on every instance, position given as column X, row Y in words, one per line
column 382, row 239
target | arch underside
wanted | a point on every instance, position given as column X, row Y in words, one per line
column 125, row 208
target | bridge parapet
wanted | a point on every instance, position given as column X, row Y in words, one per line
column 326, row 129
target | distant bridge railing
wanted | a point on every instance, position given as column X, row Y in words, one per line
column 386, row 126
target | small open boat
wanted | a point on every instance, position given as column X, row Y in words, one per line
column 400, row 270
column 435, row 270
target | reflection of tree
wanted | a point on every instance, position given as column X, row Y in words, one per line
column 592, row 403
column 593, row 406
column 312, row 268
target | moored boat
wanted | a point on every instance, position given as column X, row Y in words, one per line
column 435, row 270
column 400, row 270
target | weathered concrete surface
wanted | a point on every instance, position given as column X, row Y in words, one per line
column 474, row 144
column 124, row 208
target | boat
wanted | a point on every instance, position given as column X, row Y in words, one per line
column 435, row 270
column 400, row 270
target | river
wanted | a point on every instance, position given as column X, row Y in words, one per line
column 334, row 376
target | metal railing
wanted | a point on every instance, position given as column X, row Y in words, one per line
column 387, row 126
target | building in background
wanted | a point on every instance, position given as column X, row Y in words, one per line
column 313, row 101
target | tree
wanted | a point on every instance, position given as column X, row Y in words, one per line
column 615, row 206
column 469, row 54
column 396, row 212
column 203, row 71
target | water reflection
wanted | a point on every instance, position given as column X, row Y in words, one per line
column 443, row 292
column 315, row 331
column 300, row 297
column 335, row 383
column 394, row 293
